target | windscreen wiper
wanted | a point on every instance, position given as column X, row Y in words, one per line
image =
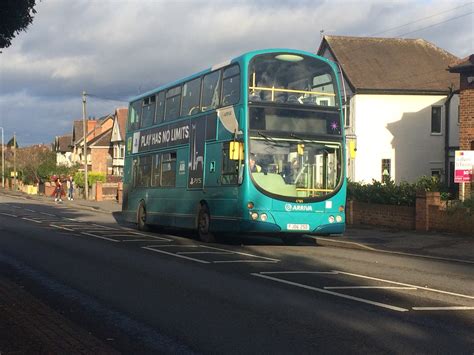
column 270, row 139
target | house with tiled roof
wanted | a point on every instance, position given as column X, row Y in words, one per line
column 401, row 109
column 118, row 140
column 63, row 148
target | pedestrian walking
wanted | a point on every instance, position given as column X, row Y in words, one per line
column 70, row 188
column 58, row 190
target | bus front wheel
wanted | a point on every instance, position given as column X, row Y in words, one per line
column 203, row 223
column 141, row 218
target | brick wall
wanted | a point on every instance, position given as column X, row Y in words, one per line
column 99, row 157
column 466, row 119
column 429, row 214
column 402, row 217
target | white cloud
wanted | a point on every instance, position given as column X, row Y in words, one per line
column 120, row 48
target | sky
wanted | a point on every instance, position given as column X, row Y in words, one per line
column 116, row 49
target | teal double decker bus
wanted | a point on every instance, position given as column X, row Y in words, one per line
column 253, row 145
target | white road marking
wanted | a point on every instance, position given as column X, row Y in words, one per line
column 449, row 308
column 240, row 253
column 244, row 261
column 9, row 215
column 203, row 252
column 100, row 237
column 31, row 220
column 17, row 207
column 104, row 227
column 404, row 284
column 29, row 210
column 370, row 287
column 60, row 227
column 378, row 304
column 135, row 240
column 299, row 272
column 48, row 214
column 174, row 254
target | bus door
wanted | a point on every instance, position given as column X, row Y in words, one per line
column 197, row 140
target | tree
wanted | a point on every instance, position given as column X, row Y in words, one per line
column 15, row 16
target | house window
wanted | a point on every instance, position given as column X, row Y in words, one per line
column 436, row 120
column 386, row 170
column 436, row 173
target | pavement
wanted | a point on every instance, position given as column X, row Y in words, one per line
column 29, row 326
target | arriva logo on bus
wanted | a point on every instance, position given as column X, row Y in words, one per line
column 302, row 208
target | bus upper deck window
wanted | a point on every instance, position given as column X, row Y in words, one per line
column 211, row 87
column 231, row 86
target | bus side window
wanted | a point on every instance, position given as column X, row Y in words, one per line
column 211, row 91
column 135, row 172
column 156, row 170
column 168, row 169
column 230, row 168
column 231, row 86
column 191, row 96
column 144, row 171
column 173, row 103
column 134, row 115
column 148, row 111
column 160, row 107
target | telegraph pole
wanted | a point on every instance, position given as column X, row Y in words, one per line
column 84, row 126
column 14, row 160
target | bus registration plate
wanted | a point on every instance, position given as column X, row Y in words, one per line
column 297, row 227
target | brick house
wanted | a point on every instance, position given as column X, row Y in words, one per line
column 465, row 67
column 401, row 111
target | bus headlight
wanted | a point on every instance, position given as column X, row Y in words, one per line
column 264, row 217
column 254, row 215
column 331, row 219
column 338, row 219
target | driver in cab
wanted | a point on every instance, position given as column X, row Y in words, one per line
column 254, row 167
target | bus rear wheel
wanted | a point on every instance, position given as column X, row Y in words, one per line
column 141, row 218
column 203, row 224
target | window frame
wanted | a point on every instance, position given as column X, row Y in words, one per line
column 224, row 78
column 219, row 83
column 184, row 114
column 166, row 116
column 435, row 133
column 168, row 162
column 157, row 119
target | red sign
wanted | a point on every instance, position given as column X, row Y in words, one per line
column 464, row 163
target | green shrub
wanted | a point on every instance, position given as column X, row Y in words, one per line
column 403, row 194
column 92, row 178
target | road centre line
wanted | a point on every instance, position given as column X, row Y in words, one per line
column 9, row 214
column 358, row 299
column 421, row 288
column 240, row 253
column 151, row 247
column 31, row 220
column 299, row 272
column 100, row 237
column 244, row 261
column 60, row 227
column 370, row 287
column 449, row 308
column 48, row 214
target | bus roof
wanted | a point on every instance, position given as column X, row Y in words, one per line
column 238, row 59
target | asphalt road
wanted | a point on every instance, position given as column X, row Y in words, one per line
column 168, row 293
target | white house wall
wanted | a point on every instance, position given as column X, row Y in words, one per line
column 397, row 127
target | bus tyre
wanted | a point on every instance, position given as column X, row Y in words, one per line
column 203, row 223
column 141, row 218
